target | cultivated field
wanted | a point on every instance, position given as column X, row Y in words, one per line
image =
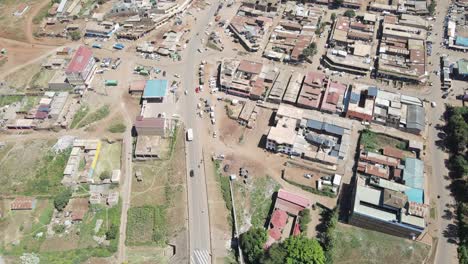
column 357, row 245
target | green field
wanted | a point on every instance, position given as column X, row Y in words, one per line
column 357, row 245
column 95, row 116
column 41, row 169
column 109, row 158
column 147, row 225
column 10, row 99
column 41, row 79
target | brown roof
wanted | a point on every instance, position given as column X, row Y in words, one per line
column 250, row 67
column 316, row 79
column 393, row 152
column 22, row 203
column 394, row 199
column 333, row 98
column 137, row 86
column 149, row 122
column 78, row 208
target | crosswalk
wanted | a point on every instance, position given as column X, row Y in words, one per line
column 200, row 257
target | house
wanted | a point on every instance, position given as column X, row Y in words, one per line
column 151, row 126
column 81, row 67
column 77, row 207
column 155, row 90
column 147, row 147
column 334, row 97
column 311, row 92
column 136, row 87
column 284, row 219
column 281, row 137
column 21, row 9
column 23, row 203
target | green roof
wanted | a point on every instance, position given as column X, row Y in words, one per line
column 462, row 66
column 413, row 174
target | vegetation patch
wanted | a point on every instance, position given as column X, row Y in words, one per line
column 99, row 114
column 82, row 112
column 10, row 99
column 357, row 245
column 147, row 225
column 41, row 79
column 117, row 127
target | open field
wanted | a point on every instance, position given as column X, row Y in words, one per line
column 41, row 79
column 85, row 118
column 10, row 99
column 22, row 226
column 12, row 26
column 158, row 203
column 109, row 158
column 41, row 169
column 375, row 141
column 21, row 79
column 357, row 245
column 253, row 201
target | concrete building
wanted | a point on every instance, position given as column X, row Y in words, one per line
column 281, row 137
column 361, row 102
column 312, row 88
column 81, row 67
column 294, row 87
column 334, row 98
column 151, row 126
column 279, row 87
column 155, row 90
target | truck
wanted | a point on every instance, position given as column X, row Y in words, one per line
column 110, row 83
column 97, row 46
column 118, row 46
column 189, row 134
column 116, row 63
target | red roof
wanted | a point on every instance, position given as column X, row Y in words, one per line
column 393, row 152
column 80, row 60
column 316, row 79
column 149, row 122
column 41, row 115
column 22, row 203
column 275, row 233
column 279, row 218
column 250, row 67
column 296, row 230
column 293, row 198
column 333, row 98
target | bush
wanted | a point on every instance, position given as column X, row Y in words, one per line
column 252, row 243
column 350, row 13
column 75, row 35
column 59, row 229
column 105, row 175
column 304, row 219
column 112, row 232
column 117, row 128
column 61, row 200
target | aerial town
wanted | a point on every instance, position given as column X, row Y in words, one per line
column 222, row 131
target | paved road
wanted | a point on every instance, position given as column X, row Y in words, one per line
column 444, row 225
column 199, row 225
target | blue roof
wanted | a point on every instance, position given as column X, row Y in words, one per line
column 332, row 129
column 354, row 98
column 413, row 174
column 155, row 88
column 372, row 91
column 415, row 195
column 314, row 124
column 461, row 41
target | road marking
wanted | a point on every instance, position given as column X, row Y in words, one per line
column 200, row 257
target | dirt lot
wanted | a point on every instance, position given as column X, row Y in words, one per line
column 163, row 186
column 109, row 158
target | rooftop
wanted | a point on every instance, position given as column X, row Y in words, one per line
column 80, row 60
column 155, row 88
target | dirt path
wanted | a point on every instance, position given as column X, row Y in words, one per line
column 28, row 27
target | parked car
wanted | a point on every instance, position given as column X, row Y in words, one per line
column 307, row 176
column 192, row 173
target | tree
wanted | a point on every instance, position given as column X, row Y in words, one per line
column 304, row 219
column 61, row 199
column 252, row 243
column 431, row 8
column 295, row 249
column 311, row 50
column 459, row 165
column 75, row 35
column 350, row 13
column 105, row 175
column 112, row 232
column 333, row 16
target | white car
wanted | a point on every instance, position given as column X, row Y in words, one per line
column 200, row 50
column 433, row 104
column 186, row 92
column 213, row 121
column 215, row 134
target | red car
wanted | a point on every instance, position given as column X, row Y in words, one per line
column 197, row 89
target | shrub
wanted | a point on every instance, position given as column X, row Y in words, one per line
column 61, row 200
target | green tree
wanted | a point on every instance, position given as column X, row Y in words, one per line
column 105, row 175
column 252, row 243
column 333, row 16
column 75, row 35
column 350, row 13
column 112, row 232
column 311, row 50
column 459, row 165
column 296, row 250
column 61, row 199
column 432, row 7
column 304, row 219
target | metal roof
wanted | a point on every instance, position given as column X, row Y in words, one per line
column 415, row 195
column 415, row 117
column 413, row 174
column 155, row 88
